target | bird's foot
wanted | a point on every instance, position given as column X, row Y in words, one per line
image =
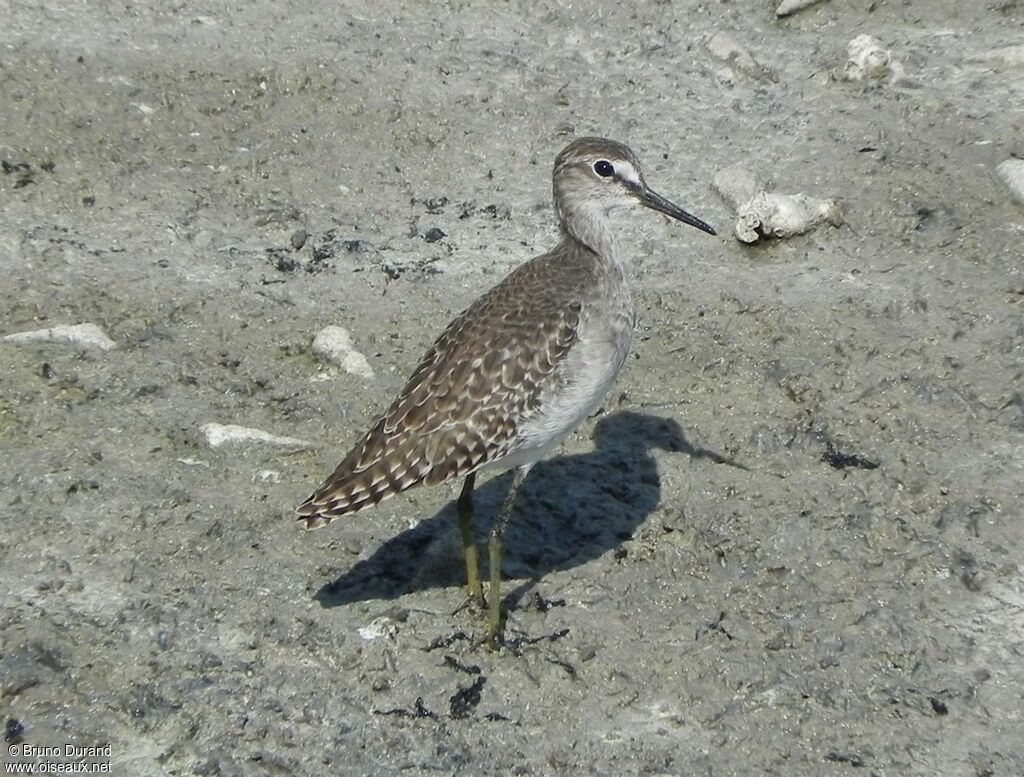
column 475, row 602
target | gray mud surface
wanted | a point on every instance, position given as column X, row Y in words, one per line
column 709, row 579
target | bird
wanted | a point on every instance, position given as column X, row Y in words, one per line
column 512, row 376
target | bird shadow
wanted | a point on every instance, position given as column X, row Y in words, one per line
column 570, row 510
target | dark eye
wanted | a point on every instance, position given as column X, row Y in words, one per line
column 604, row 168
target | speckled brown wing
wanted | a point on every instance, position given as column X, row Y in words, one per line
column 464, row 404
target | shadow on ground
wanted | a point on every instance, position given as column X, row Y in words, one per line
column 570, row 510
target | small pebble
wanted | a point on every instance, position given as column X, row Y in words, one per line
column 230, row 434
column 84, row 335
column 434, row 234
column 298, row 238
column 334, row 344
column 1011, row 172
column 788, row 7
column 1011, row 56
column 868, row 59
column 723, row 46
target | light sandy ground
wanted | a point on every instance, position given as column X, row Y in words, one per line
column 694, row 590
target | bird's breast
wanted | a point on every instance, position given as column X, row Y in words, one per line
column 581, row 382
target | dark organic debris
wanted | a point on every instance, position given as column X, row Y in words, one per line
column 419, row 710
column 516, row 643
column 839, row 460
column 499, row 212
column 714, row 626
column 14, row 730
column 455, row 664
column 24, row 171
column 569, row 668
column 540, row 604
column 464, row 700
column 283, row 260
column 15, row 167
column 496, row 716
column 845, row 758
column 443, row 642
column 325, row 246
column 434, row 205
column 938, row 706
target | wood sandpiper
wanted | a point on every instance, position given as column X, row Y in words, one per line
column 513, row 375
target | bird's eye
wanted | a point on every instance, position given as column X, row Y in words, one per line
column 604, row 168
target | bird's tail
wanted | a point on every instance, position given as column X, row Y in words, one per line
column 352, row 488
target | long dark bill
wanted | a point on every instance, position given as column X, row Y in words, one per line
column 655, row 201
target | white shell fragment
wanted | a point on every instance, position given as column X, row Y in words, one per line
column 230, row 434
column 1011, row 172
column 762, row 214
column 384, row 626
column 723, row 46
column 869, row 60
column 334, row 344
column 787, row 7
column 83, row 335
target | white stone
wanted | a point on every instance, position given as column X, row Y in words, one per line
column 379, row 627
column 762, row 214
column 334, row 344
column 1011, row 172
column 231, row 434
column 84, row 335
column 868, row 59
column 783, row 215
column 787, row 7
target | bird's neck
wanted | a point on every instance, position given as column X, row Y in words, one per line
column 591, row 228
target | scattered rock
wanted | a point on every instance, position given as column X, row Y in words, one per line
column 277, row 213
column 762, row 214
column 789, row 7
column 1012, row 56
column 230, row 434
column 83, row 335
column 869, row 60
column 723, row 46
column 1011, row 172
column 737, row 185
column 434, row 234
column 298, row 239
column 334, row 344
column 384, row 626
column 464, row 700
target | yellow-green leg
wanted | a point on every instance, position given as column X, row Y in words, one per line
column 494, row 592
column 469, row 552
column 494, row 547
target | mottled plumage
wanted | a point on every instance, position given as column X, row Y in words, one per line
column 516, row 372
column 465, row 402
